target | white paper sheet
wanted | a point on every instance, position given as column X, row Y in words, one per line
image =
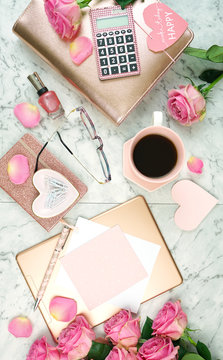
column 146, row 251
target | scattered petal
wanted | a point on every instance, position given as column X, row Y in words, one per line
column 80, row 49
column 27, row 114
column 63, row 309
column 195, row 165
column 20, row 327
column 18, row 169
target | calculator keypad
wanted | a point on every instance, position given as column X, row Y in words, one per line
column 130, row 48
column 113, row 60
column 102, row 52
column 114, row 70
column 122, row 59
column 101, row 42
column 119, row 39
column 110, row 41
column 121, row 49
column 124, row 68
column 111, row 50
column 116, row 52
column 133, row 67
column 103, row 61
column 129, row 38
column 105, row 71
column 131, row 57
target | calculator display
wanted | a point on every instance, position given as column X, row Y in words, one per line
column 115, row 42
column 114, row 21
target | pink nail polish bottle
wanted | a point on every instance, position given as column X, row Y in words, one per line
column 48, row 100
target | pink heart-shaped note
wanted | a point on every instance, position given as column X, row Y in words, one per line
column 195, row 203
column 167, row 26
column 56, row 193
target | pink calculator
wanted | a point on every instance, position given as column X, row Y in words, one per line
column 115, row 42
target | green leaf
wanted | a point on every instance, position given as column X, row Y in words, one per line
column 215, row 54
column 181, row 352
column 147, row 329
column 176, row 342
column 199, row 53
column 192, row 83
column 124, row 3
column 83, row 3
column 203, row 350
column 99, row 351
column 210, row 75
column 141, row 340
column 201, row 86
column 192, row 356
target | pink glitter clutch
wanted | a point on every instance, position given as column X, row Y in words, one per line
column 25, row 194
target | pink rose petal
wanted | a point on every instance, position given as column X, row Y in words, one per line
column 20, row 327
column 27, row 114
column 63, row 356
column 63, row 309
column 18, row 169
column 195, row 165
column 80, row 49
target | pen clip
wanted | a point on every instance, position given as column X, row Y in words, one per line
column 68, row 225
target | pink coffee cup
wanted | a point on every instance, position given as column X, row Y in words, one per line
column 158, row 129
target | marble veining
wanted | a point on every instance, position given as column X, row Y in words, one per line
column 198, row 254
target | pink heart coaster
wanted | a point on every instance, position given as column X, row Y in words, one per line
column 195, row 203
column 167, row 26
column 56, row 193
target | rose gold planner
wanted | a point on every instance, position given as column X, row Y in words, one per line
column 115, row 98
column 134, row 217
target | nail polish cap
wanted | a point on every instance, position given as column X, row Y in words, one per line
column 37, row 83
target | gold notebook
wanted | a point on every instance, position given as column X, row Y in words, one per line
column 134, row 218
column 116, row 98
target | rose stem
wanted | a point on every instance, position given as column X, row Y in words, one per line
column 207, row 89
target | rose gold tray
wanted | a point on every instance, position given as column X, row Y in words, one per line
column 134, row 218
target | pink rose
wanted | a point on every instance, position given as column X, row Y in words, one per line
column 41, row 350
column 76, row 339
column 63, row 357
column 120, row 354
column 170, row 321
column 64, row 16
column 186, row 105
column 158, row 348
column 123, row 330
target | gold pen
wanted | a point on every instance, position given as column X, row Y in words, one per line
column 59, row 246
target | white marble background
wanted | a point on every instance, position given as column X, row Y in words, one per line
column 198, row 254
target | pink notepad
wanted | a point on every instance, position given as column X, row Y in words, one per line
column 103, row 267
column 25, row 194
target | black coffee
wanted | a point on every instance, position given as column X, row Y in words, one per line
column 155, row 156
